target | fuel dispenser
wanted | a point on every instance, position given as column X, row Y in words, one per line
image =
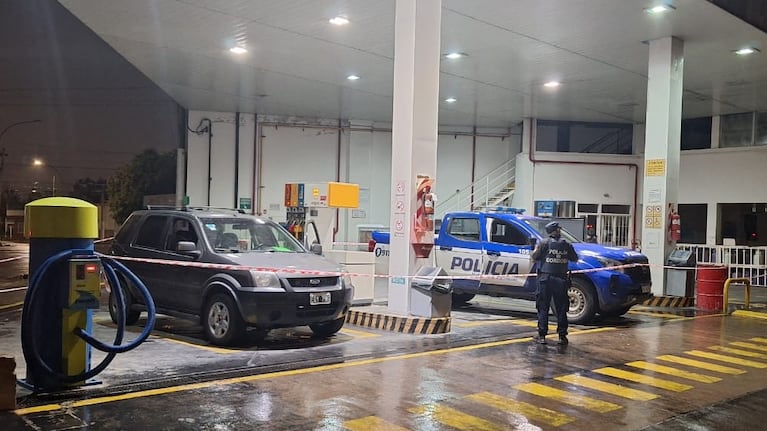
column 64, row 289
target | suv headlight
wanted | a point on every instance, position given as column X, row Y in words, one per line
column 610, row 263
column 265, row 279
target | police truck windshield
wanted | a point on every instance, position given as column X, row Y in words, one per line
column 540, row 227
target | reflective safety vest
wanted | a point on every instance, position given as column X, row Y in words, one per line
column 554, row 261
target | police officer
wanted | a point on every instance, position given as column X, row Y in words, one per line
column 552, row 255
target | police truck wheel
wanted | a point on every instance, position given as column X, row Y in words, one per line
column 326, row 329
column 462, row 298
column 131, row 316
column 221, row 320
column 583, row 304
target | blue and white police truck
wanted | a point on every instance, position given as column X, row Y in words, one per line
column 492, row 250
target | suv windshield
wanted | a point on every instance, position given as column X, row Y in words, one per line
column 540, row 227
column 248, row 235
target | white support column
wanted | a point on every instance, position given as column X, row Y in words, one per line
column 414, row 132
column 662, row 140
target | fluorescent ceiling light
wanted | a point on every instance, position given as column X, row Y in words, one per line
column 455, row 55
column 352, row 77
column 660, row 9
column 237, row 50
column 746, row 51
column 339, row 20
column 451, row 100
column 552, row 84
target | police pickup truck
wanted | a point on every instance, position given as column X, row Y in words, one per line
column 493, row 250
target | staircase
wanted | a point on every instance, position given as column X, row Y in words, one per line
column 495, row 189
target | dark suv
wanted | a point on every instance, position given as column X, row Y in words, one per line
column 306, row 288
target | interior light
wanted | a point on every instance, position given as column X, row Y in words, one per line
column 746, row 51
column 551, row 84
column 455, row 55
column 352, row 77
column 237, row 50
column 660, row 8
column 339, row 20
column 451, row 100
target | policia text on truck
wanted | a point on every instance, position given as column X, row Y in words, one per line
column 492, row 250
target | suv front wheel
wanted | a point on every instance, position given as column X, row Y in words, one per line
column 221, row 320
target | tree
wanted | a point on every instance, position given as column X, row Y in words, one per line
column 149, row 173
column 90, row 190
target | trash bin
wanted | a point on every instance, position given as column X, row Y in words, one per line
column 710, row 286
column 680, row 277
column 431, row 293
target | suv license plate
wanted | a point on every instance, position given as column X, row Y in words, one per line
column 319, row 298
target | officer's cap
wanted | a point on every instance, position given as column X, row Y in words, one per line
column 551, row 227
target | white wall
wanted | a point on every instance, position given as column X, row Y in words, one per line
column 309, row 154
column 222, row 161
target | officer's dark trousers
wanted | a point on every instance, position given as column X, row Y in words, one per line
column 552, row 287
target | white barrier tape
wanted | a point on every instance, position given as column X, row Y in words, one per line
column 12, row 259
column 103, row 240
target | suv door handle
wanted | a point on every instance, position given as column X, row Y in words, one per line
column 493, row 253
column 442, row 247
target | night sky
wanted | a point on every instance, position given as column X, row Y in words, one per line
column 96, row 110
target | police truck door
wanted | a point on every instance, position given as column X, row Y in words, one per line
column 505, row 256
column 460, row 250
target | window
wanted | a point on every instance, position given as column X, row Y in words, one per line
column 505, row 233
column 151, row 232
column 466, row 229
column 736, row 130
column 760, row 137
column 696, row 133
column 126, row 228
column 616, row 209
column 582, row 137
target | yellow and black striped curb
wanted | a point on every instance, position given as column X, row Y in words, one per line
column 670, row 301
column 404, row 324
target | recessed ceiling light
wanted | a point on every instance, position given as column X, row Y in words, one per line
column 237, row 50
column 352, row 77
column 451, row 100
column 746, row 51
column 455, row 55
column 339, row 20
column 661, row 8
column 552, row 84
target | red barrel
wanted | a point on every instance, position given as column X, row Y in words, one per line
column 710, row 286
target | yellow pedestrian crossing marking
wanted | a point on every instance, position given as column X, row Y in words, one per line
column 662, row 369
column 531, row 412
column 666, row 315
column 533, row 324
column 728, row 359
column 371, row 423
column 739, row 352
column 481, row 323
column 610, row 388
column 456, row 419
column 759, row 339
column 749, row 346
column 700, row 364
column 645, row 380
column 568, row 398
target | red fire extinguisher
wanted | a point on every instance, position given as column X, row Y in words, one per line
column 674, row 227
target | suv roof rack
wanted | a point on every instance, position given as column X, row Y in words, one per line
column 204, row 208
column 163, row 207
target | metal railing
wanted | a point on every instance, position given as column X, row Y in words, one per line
column 743, row 261
column 491, row 190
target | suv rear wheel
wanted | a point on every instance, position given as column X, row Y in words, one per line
column 327, row 329
column 583, row 302
column 221, row 320
column 131, row 316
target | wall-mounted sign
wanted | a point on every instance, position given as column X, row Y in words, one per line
column 655, row 168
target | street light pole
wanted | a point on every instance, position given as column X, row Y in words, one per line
column 3, row 154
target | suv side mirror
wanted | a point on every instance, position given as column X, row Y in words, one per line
column 316, row 248
column 532, row 241
column 188, row 248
